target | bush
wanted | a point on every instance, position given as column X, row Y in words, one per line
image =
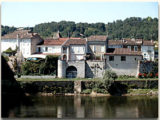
column 10, row 51
column 6, row 58
column 99, row 90
column 125, row 76
column 47, row 67
column 109, row 78
column 87, row 91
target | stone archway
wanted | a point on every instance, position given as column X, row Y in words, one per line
column 71, row 72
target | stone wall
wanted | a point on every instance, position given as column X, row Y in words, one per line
column 72, row 86
column 94, row 69
column 48, row 87
column 128, row 67
column 135, row 84
column 80, row 65
column 63, row 65
column 148, row 66
column 61, row 68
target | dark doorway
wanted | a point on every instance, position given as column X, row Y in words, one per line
column 71, row 72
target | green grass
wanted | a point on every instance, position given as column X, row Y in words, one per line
column 57, row 79
column 83, row 79
column 133, row 78
column 141, row 91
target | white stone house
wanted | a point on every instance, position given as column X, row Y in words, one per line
column 96, row 46
column 123, row 61
column 74, row 49
column 72, row 62
column 145, row 46
column 51, row 46
column 25, row 40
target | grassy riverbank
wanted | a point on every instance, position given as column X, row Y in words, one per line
column 82, row 79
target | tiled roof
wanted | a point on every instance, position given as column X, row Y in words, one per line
column 121, row 51
column 22, row 34
column 148, row 42
column 75, row 41
column 97, row 38
column 114, row 42
column 130, row 42
column 52, row 41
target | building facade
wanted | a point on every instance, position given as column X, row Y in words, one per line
column 145, row 46
column 96, row 46
column 24, row 40
column 123, row 61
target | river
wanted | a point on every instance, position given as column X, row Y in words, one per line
column 88, row 107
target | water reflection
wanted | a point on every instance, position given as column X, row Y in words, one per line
column 89, row 107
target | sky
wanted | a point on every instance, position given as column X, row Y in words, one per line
column 29, row 14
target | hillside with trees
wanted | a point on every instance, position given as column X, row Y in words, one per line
column 7, row 29
column 133, row 27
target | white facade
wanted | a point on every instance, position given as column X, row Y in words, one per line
column 148, row 52
column 127, row 67
column 49, row 49
column 24, row 45
column 77, row 52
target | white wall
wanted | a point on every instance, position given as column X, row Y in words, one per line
column 6, row 43
column 128, row 67
column 51, row 49
column 77, row 49
column 23, row 44
column 146, row 54
column 25, row 47
column 77, row 52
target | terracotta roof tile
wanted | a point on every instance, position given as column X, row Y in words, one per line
column 121, row 51
column 22, row 34
column 130, row 42
column 148, row 42
column 97, row 38
column 75, row 41
column 52, row 41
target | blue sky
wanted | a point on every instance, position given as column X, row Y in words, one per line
column 28, row 14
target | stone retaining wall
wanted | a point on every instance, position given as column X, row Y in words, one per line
column 72, row 86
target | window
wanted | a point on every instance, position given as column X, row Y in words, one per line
column 102, row 48
column 94, row 48
column 46, row 49
column 111, row 58
column 129, row 47
column 39, row 49
column 123, row 58
column 135, row 48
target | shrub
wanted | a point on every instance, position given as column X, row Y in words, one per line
column 144, row 75
column 6, row 58
column 87, row 91
column 156, row 75
column 109, row 78
column 150, row 75
column 49, row 66
column 99, row 90
column 140, row 75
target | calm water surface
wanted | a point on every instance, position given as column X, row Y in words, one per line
column 88, row 107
